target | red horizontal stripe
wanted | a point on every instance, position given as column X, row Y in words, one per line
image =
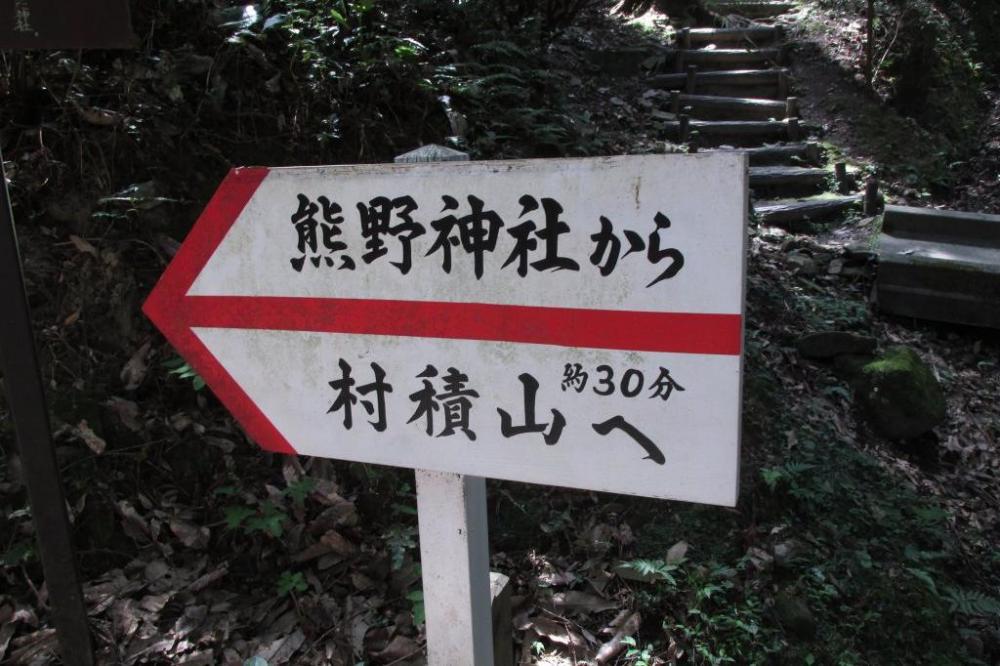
column 685, row 333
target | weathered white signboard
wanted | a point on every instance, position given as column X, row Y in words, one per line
column 568, row 322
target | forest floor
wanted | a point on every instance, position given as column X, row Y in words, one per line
column 198, row 548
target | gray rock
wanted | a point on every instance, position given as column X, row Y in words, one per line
column 802, row 263
column 829, row 344
column 785, row 551
column 860, row 252
column 899, row 394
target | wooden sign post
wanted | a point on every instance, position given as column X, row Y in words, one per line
column 26, row 398
column 58, row 24
column 46, row 24
column 454, row 540
column 566, row 322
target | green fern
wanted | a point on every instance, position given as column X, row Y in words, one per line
column 971, row 602
column 653, row 570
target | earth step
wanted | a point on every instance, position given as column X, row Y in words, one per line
column 752, row 9
column 739, row 131
column 772, row 83
column 752, row 35
column 776, row 176
column 627, row 61
column 790, row 213
column 809, row 152
column 708, row 107
column 941, row 265
column 723, row 58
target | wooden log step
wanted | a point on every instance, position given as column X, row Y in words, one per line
column 930, row 303
column 733, row 78
column 940, row 265
column 722, row 58
column 944, row 225
column 708, row 107
column 752, row 9
column 772, row 92
column 738, row 131
column 752, row 35
column 809, row 153
column 777, row 176
column 795, row 212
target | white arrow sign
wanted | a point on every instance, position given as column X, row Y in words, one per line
column 568, row 322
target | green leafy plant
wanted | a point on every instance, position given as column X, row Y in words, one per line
column 267, row 516
column 399, row 540
column 180, row 368
column 18, row 553
column 354, row 75
column 236, row 515
column 788, row 473
column 299, row 490
column 270, row 519
column 514, row 106
column 652, row 570
column 639, row 656
column 407, row 504
column 971, row 602
column 291, row 582
column 416, row 599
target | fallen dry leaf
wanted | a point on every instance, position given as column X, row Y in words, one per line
column 82, row 245
column 72, row 318
column 90, row 438
column 677, row 552
column 209, row 578
column 613, row 626
column 288, row 647
column 181, row 421
column 37, row 647
column 135, row 526
column 127, row 412
column 582, row 601
column 311, row 552
column 6, row 633
column 359, row 627
column 100, row 117
column 557, row 632
column 192, row 536
column 556, row 578
column 156, row 570
column 616, row 645
column 135, row 370
column 400, row 647
column 338, row 544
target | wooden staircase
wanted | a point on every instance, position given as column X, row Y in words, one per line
column 940, row 264
column 730, row 91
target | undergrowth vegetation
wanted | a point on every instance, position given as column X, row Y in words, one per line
column 931, row 59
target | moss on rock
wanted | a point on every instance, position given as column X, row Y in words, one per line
column 900, row 395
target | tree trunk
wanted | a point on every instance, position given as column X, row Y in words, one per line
column 870, row 44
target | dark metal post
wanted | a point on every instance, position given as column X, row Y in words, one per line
column 26, row 398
